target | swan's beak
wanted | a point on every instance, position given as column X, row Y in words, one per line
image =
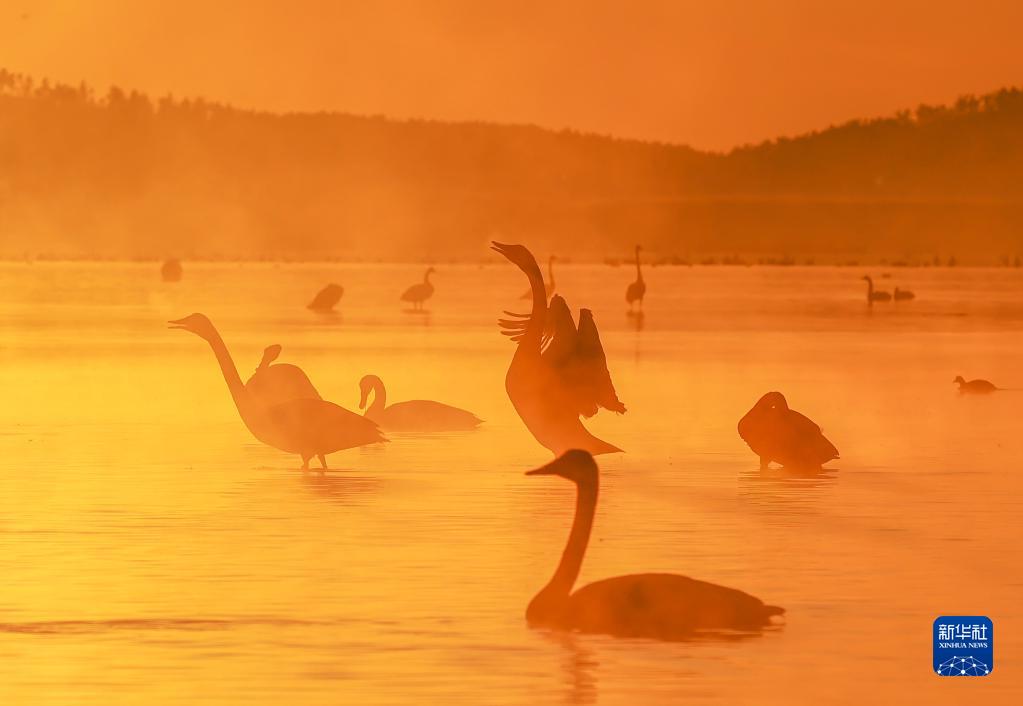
column 551, row 469
column 178, row 323
column 499, row 247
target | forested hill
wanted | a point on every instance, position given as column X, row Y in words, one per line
column 126, row 175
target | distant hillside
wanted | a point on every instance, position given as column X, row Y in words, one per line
column 124, row 175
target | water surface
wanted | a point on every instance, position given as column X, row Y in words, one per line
column 153, row 552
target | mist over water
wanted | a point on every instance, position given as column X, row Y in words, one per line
column 151, row 548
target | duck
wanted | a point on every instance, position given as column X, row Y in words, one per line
column 974, row 387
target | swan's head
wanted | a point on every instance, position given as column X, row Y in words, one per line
column 639, row 248
column 518, row 254
column 430, row 271
column 772, row 400
column 866, row 278
column 366, row 386
column 576, row 465
column 270, row 354
column 197, row 324
column 959, row 379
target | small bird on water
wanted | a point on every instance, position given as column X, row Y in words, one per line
column 974, row 387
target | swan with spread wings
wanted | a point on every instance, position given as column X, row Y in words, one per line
column 559, row 370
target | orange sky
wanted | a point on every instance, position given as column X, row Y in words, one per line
column 711, row 74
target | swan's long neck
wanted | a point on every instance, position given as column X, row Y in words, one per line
column 639, row 274
column 870, row 287
column 550, row 275
column 239, row 394
column 538, row 315
column 560, row 585
column 379, row 398
column 426, row 277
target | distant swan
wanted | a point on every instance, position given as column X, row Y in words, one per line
column 902, row 295
column 273, row 384
column 308, row 427
column 974, row 387
column 171, row 270
column 549, row 286
column 326, row 299
column 776, row 433
column 413, row 415
column 875, row 296
column 419, row 293
column 636, row 290
column 657, row 606
column 558, row 372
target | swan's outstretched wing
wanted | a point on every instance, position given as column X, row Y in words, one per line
column 590, row 368
column 560, row 333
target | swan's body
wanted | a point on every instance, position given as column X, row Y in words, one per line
column 974, row 387
column 657, row 606
column 551, row 386
column 171, row 271
column 549, row 285
column 875, row 295
column 326, row 299
column 308, row 427
column 637, row 290
column 413, row 415
column 281, row 382
column 776, row 433
column 419, row 293
column 902, row 295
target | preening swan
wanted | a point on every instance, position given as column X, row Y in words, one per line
column 657, row 606
column 326, row 299
column 637, row 290
column 273, row 384
column 974, row 387
column 419, row 293
column 308, row 427
column 777, row 433
column 549, row 286
column 558, row 372
column 875, row 296
column 413, row 415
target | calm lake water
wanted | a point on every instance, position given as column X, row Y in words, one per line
column 152, row 552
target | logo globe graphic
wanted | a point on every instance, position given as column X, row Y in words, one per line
column 963, row 667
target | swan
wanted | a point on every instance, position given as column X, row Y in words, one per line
column 657, row 606
column 419, row 293
column 273, row 384
column 551, row 385
column 326, row 299
column 776, row 433
column 875, row 296
column 974, row 387
column 171, row 270
column 902, row 295
column 636, row 290
column 549, row 286
column 412, row 415
column 307, row 427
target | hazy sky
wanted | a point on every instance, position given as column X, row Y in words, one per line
column 708, row 73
